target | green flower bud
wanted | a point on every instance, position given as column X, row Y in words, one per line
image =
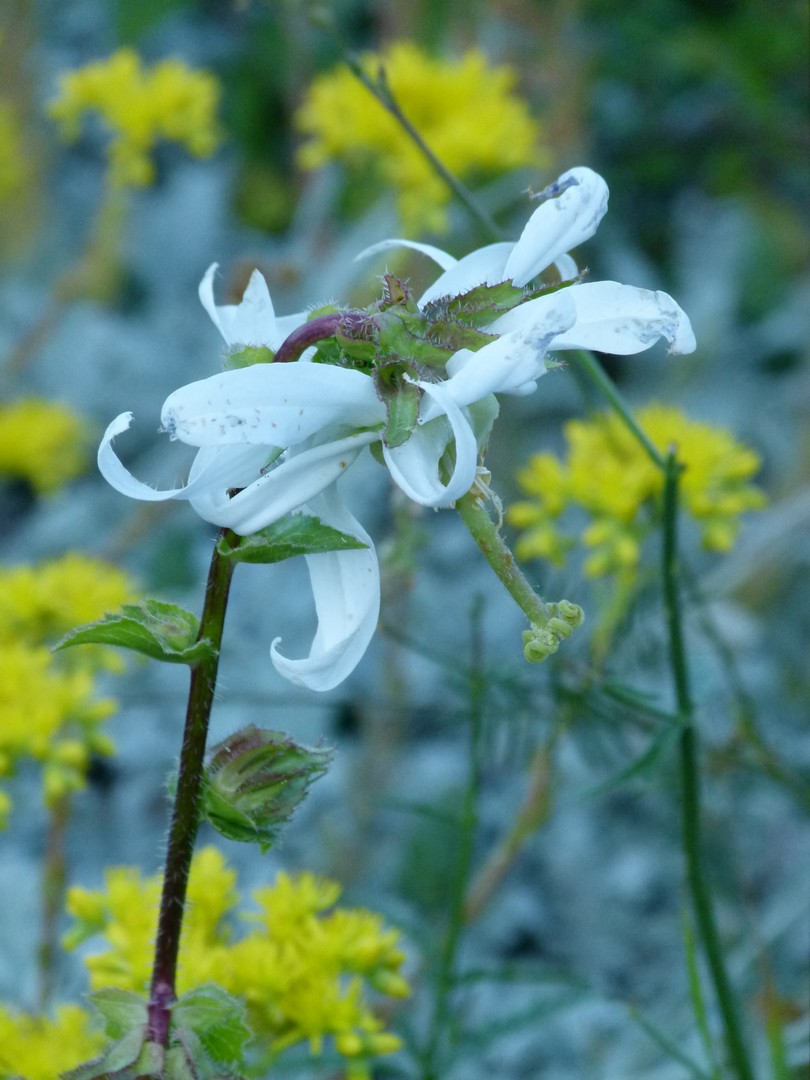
column 255, row 780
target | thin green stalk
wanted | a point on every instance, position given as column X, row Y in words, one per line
column 382, row 92
column 699, row 891
column 54, row 874
column 599, row 377
column 484, row 531
column 468, row 825
column 186, row 810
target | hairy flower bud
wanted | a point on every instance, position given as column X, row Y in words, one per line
column 254, row 782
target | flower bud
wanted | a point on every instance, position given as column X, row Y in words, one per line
column 255, row 780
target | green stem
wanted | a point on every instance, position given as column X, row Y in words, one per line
column 485, row 533
column 597, row 375
column 699, row 891
column 468, row 825
column 186, row 811
column 381, row 90
column 54, row 875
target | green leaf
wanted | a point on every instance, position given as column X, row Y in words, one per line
column 116, row 1059
column 217, row 1019
column 660, row 744
column 295, row 534
column 121, row 1009
column 156, row 629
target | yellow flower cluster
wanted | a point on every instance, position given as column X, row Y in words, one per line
column 48, row 708
column 169, row 101
column 466, row 111
column 39, row 1048
column 303, row 967
column 611, row 477
column 41, row 442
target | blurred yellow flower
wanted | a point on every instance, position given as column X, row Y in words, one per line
column 466, row 111
column 609, row 475
column 41, row 442
column 303, row 969
column 42, row 601
column 40, row 1048
column 169, row 101
column 49, row 710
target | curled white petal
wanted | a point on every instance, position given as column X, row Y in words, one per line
column 444, row 260
column 415, row 466
column 622, row 319
column 301, row 477
column 346, row 589
column 513, row 363
column 228, row 468
column 559, row 224
column 273, row 404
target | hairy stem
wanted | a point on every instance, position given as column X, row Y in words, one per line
column 699, row 891
column 484, row 531
column 186, row 811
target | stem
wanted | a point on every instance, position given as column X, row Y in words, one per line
column 186, row 810
column 468, row 824
column 485, row 533
column 599, row 377
column 699, row 891
column 54, row 874
column 381, row 90
column 531, row 815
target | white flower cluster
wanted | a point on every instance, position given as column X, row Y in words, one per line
column 311, row 421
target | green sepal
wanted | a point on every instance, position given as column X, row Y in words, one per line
column 478, row 306
column 254, row 780
column 295, row 534
column 161, row 631
column 247, row 356
column 216, row 1022
column 455, row 335
column 401, row 399
column 404, row 336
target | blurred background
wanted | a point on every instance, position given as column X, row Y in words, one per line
column 696, row 114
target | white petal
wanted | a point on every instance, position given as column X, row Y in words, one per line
column 444, row 260
column 513, row 363
column 253, row 321
column 559, row 224
column 483, row 266
column 414, row 466
column 273, row 404
column 222, row 471
column 621, row 319
column 346, row 588
column 282, row 489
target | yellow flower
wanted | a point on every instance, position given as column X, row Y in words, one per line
column 169, row 101
column 609, row 475
column 465, row 110
column 41, row 602
column 48, row 705
column 41, row 442
column 40, row 1048
column 304, row 971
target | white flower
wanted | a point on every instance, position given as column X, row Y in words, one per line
column 608, row 317
column 274, row 439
